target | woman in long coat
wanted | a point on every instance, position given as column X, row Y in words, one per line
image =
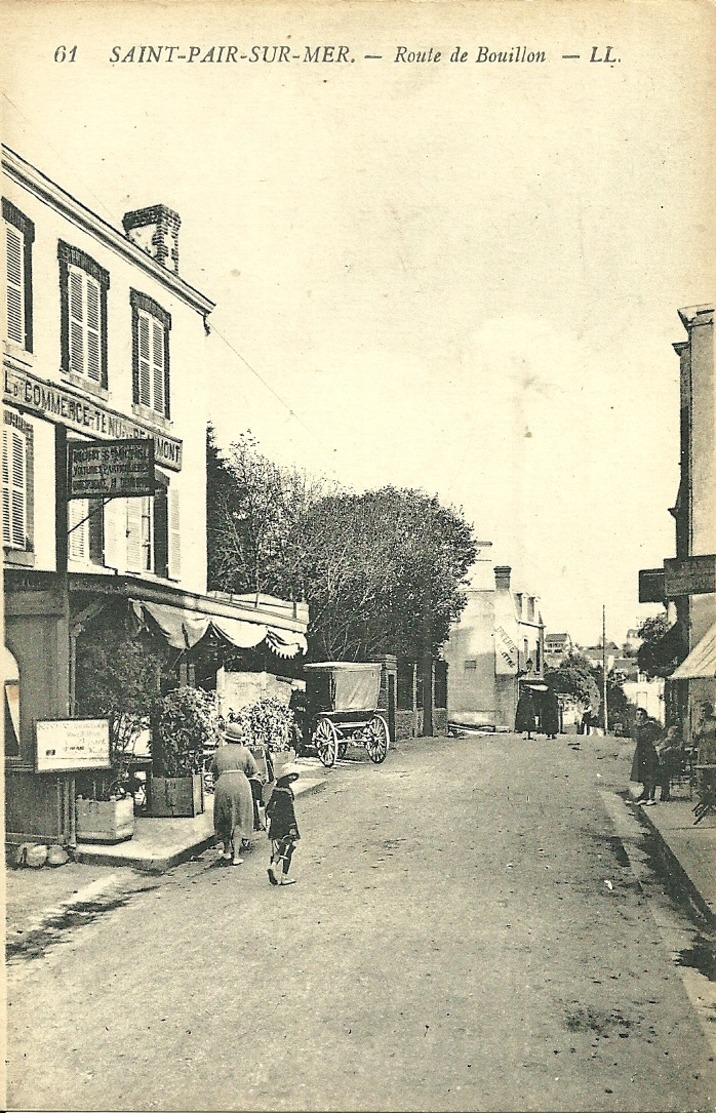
column 550, row 714
column 525, row 715
column 233, row 802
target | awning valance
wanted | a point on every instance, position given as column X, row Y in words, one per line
column 182, row 629
column 700, row 663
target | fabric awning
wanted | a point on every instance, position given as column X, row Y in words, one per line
column 182, row 629
column 700, row 663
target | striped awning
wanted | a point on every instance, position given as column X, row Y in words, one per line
column 182, row 629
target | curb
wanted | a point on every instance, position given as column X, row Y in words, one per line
column 676, row 868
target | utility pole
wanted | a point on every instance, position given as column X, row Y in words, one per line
column 604, row 669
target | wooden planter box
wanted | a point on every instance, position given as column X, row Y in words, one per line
column 182, row 797
column 105, row 822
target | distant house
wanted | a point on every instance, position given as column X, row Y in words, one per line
column 557, row 646
column 496, row 647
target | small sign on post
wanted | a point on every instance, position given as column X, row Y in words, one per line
column 124, row 467
column 72, row 745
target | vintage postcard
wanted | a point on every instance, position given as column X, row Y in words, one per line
column 358, row 440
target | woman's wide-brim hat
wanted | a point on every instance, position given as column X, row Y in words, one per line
column 288, row 771
column 234, row 734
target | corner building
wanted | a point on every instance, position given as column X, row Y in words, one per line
column 104, row 339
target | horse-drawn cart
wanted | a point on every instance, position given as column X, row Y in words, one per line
column 342, row 707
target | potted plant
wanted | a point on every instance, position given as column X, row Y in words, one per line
column 118, row 676
column 184, row 725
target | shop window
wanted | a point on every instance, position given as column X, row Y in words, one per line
column 12, row 704
column 17, row 483
column 150, row 353
column 19, row 237
column 83, row 318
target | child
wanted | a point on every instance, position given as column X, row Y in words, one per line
column 283, row 829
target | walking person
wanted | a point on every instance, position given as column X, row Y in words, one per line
column 645, row 767
column 283, row 828
column 550, row 715
column 232, row 768
column 587, row 719
column 525, row 714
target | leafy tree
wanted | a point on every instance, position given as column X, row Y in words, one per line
column 658, row 656
column 575, row 676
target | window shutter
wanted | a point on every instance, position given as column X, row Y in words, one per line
column 133, row 534
column 145, row 372
column 78, row 538
column 115, row 534
column 14, row 489
column 158, row 365
column 15, row 286
column 161, row 533
column 94, row 366
column 6, row 518
column 95, row 526
column 174, row 535
column 76, row 292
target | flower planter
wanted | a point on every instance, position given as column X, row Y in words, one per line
column 105, row 822
column 181, row 797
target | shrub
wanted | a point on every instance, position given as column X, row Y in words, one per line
column 267, row 722
column 184, row 724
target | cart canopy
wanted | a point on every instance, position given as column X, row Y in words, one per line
column 351, row 686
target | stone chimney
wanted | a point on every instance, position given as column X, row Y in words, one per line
column 502, row 577
column 155, row 230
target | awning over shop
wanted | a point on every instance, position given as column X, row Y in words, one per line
column 182, row 629
column 700, row 663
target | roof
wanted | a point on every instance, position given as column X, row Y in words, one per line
column 552, row 636
column 700, row 663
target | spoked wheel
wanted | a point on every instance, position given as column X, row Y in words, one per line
column 342, row 747
column 377, row 739
column 325, row 741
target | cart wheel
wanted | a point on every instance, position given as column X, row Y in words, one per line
column 342, row 747
column 325, row 741
column 377, row 739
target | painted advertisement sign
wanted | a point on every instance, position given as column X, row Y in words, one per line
column 72, row 745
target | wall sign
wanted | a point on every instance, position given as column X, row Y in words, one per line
column 74, row 745
column 81, row 413
column 124, row 467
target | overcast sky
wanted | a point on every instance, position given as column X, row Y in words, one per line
column 458, row 277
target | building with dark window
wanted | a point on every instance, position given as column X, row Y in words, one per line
column 105, row 341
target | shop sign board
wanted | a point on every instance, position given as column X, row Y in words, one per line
column 57, row 404
column 72, row 745
column 124, row 467
column 651, row 585
column 696, row 574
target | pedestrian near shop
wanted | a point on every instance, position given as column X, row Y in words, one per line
column 525, row 714
column 705, row 741
column 283, row 828
column 232, row 767
column 550, row 715
column 645, row 766
column 670, row 753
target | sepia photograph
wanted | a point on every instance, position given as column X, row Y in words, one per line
column 359, row 556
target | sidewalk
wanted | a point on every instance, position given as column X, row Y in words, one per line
column 690, row 849
column 99, row 874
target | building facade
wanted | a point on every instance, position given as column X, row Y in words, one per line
column 686, row 584
column 104, row 341
column 496, row 647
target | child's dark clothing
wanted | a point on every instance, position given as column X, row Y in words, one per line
column 283, row 831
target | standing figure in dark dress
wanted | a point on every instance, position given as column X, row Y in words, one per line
column 550, row 714
column 645, row 767
column 525, row 715
column 283, row 828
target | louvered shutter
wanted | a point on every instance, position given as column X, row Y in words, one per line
column 6, row 500
column 161, row 533
column 134, row 534
column 14, row 489
column 78, row 531
column 115, row 534
column 158, row 365
column 77, row 321
column 14, row 248
column 144, row 359
column 174, row 535
column 95, row 533
column 94, row 367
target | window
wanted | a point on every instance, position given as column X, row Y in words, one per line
column 471, row 665
column 17, row 482
column 83, row 304
column 19, row 235
column 12, row 704
column 150, row 353
column 153, row 541
column 85, row 526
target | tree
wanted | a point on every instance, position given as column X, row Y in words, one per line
column 660, row 652
column 575, row 676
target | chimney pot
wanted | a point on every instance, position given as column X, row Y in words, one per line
column 155, row 229
column 502, row 577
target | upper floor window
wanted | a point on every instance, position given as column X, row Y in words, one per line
column 85, row 525
column 17, row 480
column 19, row 235
column 83, row 304
column 153, row 532
column 150, row 353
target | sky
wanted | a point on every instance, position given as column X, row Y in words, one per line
column 459, row 277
